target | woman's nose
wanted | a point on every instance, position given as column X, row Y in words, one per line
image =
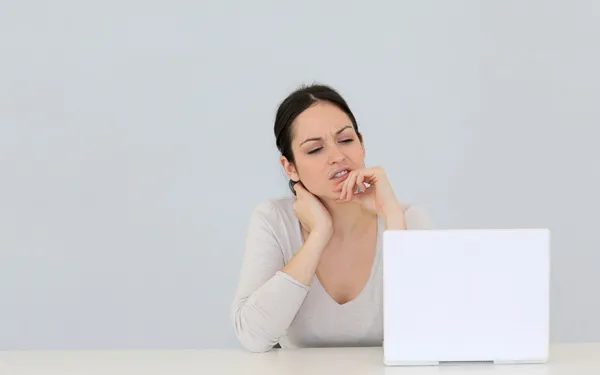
column 335, row 155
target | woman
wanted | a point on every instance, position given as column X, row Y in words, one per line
column 312, row 269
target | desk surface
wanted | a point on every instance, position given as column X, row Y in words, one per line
column 565, row 359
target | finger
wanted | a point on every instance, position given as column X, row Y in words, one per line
column 344, row 187
column 339, row 187
column 368, row 175
column 340, row 190
column 299, row 188
column 363, row 197
column 357, row 186
column 374, row 174
column 360, row 181
column 350, row 185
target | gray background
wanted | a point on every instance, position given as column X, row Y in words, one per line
column 136, row 137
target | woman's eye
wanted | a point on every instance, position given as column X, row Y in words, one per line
column 314, row 151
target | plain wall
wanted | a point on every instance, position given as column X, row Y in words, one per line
column 136, row 137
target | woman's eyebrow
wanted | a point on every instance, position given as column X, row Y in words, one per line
column 320, row 138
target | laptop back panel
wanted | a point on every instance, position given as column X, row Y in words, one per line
column 466, row 295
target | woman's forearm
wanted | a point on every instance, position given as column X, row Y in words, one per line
column 303, row 265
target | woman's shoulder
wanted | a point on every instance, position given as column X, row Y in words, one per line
column 276, row 217
column 276, row 211
column 275, row 206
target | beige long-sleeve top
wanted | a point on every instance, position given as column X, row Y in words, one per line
column 271, row 307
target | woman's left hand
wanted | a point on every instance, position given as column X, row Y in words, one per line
column 378, row 197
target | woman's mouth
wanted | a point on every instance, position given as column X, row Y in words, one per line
column 340, row 176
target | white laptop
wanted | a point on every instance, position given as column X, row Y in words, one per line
column 466, row 296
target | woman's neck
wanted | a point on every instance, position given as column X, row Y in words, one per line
column 348, row 219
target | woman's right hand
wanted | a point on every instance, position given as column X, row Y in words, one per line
column 311, row 213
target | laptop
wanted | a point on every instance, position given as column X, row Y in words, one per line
column 466, row 296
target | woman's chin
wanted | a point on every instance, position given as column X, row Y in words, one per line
column 335, row 198
column 330, row 197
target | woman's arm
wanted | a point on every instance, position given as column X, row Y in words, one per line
column 303, row 265
column 269, row 292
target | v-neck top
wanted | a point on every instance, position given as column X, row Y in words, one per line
column 271, row 307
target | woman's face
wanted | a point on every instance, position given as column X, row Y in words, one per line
column 324, row 144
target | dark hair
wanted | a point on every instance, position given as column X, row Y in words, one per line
column 296, row 103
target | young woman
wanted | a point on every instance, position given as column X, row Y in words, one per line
column 312, row 269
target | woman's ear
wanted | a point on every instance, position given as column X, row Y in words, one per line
column 289, row 169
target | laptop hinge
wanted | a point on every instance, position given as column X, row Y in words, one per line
column 466, row 362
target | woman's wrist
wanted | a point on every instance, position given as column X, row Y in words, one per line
column 320, row 237
column 394, row 218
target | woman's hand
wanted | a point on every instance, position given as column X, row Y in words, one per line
column 378, row 197
column 312, row 214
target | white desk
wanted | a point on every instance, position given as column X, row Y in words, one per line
column 566, row 359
